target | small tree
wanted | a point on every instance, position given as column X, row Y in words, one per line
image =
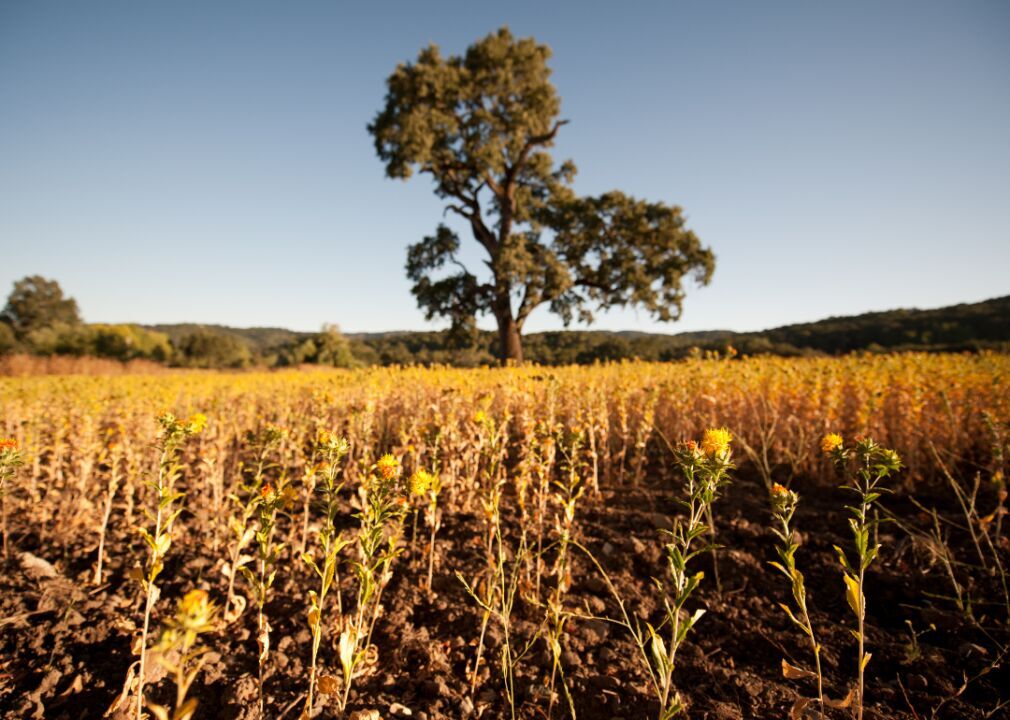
column 481, row 125
column 36, row 303
column 333, row 348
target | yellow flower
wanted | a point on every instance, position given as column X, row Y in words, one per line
column 480, row 417
column 779, row 489
column 419, row 482
column 288, row 496
column 388, row 467
column 194, row 602
column 831, row 442
column 716, row 441
column 195, row 615
column 196, row 423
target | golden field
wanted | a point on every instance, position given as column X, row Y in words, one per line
column 520, row 467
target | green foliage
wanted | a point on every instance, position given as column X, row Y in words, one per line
column 481, row 125
column 333, row 349
column 206, row 349
column 959, row 327
column 129, row 342
column 258, row 339
column 56, row 339
column 971, row 327
column 8, row 341
column 968, row 326
column 36, row 303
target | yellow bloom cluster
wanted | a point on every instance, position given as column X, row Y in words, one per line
column 193, row 602
column 831, row 442
column 196, row 423
column 715, row 442
column 195, row 615
column 420, row 481
column 388, row 467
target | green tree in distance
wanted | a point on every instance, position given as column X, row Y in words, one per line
column 481, row 126
column 36, row 303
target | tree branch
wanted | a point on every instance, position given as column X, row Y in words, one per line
column 507, row 190
column 458, row 209
column 592, row 284
column 532, row 142
column 527, row 305
column 461, row 266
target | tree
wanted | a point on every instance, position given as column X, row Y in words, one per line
column 481, row 125
column 208, row 349
column 129, row 342
column 36, row 304
column 333, row 348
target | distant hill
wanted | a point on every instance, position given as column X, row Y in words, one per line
column 970, row 326
column 955, row 327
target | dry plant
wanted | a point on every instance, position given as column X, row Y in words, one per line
column 433, row 516
column 114, row 453
column 174, row 433
column 266, row 500
column 383, row 497
column 570, row 492
column 498, row 600
column 331, row 450
column 180, row 653
column 868, row 464
column 706, row 470
column 492, row 599
column 245, row 505
column 784, row 502
column 10, row 461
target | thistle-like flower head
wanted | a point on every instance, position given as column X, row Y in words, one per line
column 419, row 483
column 715, row 442
column 388, row 467
column 831, row 442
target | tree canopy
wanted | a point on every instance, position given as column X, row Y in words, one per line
column 36, row 303
column 481, row 126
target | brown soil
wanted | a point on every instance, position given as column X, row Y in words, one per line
column 65, row 645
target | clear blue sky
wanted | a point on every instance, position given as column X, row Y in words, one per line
column 208, row 161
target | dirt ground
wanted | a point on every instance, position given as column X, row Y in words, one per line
column 65, row 645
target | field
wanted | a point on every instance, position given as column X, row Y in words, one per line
column 526, row 542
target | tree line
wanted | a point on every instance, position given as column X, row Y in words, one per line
column 39, row 319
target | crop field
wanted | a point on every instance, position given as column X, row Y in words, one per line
column 714, row 538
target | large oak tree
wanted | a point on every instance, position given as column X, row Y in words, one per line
column 481, row 125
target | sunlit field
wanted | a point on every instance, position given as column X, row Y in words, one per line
column 591, row 542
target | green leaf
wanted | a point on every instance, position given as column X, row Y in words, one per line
column 853, row 595
column 658, row 649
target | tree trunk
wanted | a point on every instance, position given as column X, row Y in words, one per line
column 510, row 341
